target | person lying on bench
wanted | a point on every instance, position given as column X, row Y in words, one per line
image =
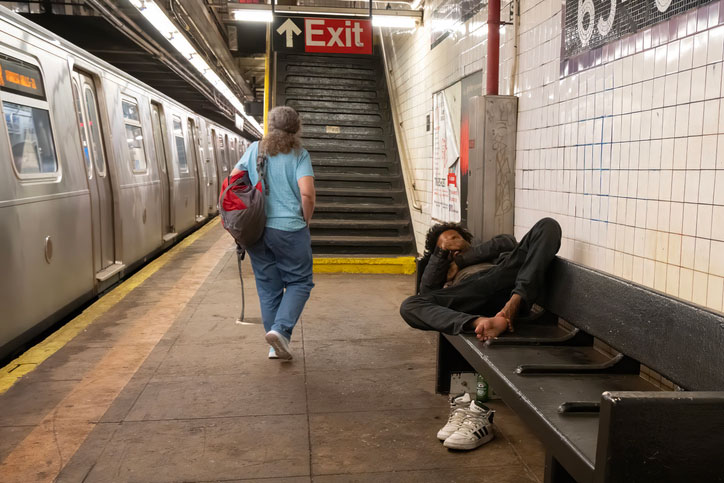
column 505, row 278
column 480, row 288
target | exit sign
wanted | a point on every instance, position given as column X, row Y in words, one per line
column 325, row 35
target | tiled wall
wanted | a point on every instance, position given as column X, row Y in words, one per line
column 627, row 155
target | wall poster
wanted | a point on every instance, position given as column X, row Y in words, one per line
column 446, row 155
column 451, row 145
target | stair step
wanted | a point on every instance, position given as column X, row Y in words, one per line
column 361, row 240
column 359, row 207
column 312, row 60
column 360, row 195
column 342, row 106
column 331, row 72
column 347, row 176
column 359, row 224
column 319, row 82
column 361, row 159
column 330, row 94
column 334, row 146
column 343, row 133
column 335, row 119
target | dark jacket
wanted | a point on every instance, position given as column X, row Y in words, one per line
column 492, row 251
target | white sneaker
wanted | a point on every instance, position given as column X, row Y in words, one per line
column 459, row 406
column 280, row 344
column 272, row 353
column 475, row 430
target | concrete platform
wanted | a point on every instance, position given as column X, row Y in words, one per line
column 164, row 386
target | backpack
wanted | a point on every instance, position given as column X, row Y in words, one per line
column 241, row 205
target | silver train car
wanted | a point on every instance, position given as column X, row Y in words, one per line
column 98, row 172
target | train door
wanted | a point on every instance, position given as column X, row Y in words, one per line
column 199, row 169
column 217, row 158
column 212, row 186
column 85, row 92
column 159, row 137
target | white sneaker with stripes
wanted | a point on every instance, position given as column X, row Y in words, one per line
column 459, row 407
column 475, row 430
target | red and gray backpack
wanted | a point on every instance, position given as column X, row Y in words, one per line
column 241, row 205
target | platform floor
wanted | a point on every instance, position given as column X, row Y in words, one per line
column 165, row 387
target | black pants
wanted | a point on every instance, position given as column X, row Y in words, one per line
column 523, row 272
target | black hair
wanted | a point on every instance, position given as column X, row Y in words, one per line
column 436, row 230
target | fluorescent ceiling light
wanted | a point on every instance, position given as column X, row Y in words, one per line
column 253, row 15
column 397, row 21
column 161, row 22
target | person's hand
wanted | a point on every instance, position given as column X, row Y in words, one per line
column 455, row 245
column 452, row 271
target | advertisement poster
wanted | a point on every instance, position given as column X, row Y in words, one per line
column 446, row 155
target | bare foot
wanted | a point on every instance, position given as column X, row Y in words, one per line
column 487, row 328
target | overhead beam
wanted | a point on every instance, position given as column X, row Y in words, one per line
column 342, row 11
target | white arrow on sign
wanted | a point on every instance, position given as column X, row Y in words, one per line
column 290, row 29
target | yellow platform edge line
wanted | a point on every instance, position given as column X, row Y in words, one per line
column 389, row 265
column 30, row 359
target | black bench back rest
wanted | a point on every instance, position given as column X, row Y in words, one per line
column 683, row 342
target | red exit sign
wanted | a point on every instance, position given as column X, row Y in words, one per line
column 326, row 35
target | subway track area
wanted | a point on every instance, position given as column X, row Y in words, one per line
column 164, row 386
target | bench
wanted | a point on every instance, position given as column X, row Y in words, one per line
column 598, row 418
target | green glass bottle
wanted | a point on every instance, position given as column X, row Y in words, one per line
column 481, row 394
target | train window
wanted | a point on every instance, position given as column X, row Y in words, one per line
column 134, row 135
column 31, row 138
column 178, row 135
column 95, row 132
column 27, row 117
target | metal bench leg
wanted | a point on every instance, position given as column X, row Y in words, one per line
column 555, row 473
column 449, row 360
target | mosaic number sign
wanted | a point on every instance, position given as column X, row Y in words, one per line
column 592, row 23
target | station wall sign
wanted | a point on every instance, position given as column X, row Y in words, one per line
column 322, row 35
column 589, row 24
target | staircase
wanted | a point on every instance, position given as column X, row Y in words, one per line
column 347, row 128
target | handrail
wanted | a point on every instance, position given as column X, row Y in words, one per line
column 407, row 173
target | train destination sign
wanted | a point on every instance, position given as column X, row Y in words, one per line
column 325, row 35
column 20, row 78
column 592, row 23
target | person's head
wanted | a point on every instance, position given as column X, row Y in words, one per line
column 285, row 130
column 446, row 233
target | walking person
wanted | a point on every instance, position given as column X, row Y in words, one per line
column 282, row 258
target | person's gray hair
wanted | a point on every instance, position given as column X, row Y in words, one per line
column 285, row 129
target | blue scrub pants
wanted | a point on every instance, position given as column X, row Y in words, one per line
column 282, row 264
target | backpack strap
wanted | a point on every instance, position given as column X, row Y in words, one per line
column 261, row 170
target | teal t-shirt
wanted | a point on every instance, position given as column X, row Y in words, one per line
column 283, row 205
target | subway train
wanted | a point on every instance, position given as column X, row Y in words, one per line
column 98, row 172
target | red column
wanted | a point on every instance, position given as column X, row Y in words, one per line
column 493, row 47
